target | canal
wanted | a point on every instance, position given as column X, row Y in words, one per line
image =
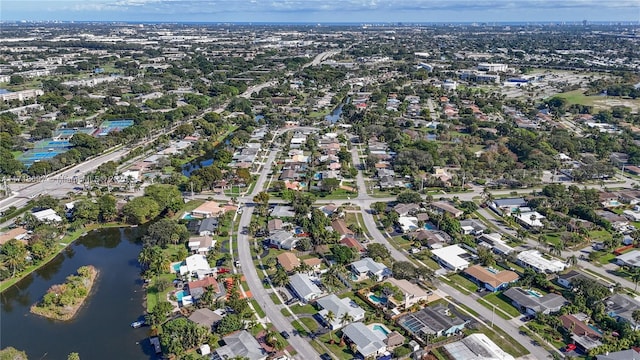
column 101, row 329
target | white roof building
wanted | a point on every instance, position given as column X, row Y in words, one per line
column 530, row 219
column 47, row 215
column 197, row 264
column 452, row 257
column 535, row 260
column 339, row 307
column 304, row 288
column 368, row 343
column 632, row 258
column 476, row 347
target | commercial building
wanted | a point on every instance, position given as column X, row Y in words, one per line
column 492, row 67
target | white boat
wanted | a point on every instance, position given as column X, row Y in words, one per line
column 137, row 324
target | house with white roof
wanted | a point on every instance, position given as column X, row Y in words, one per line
column 475, row 346
column 530, row 219
column 534, row 259
column 452, row 257
column 47, row 215
column 196, row 265
column 631, row 258
column 339, row 307
column 367, row 268
column 368, row 343
column 304, row 288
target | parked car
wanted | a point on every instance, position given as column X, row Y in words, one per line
column 285, row 334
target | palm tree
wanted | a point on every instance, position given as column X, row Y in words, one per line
column 572, row 260
column 635, row 315
column 330, row 318
column 635, row 277
column 344, row 320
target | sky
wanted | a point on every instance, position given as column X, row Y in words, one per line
column 321, row 11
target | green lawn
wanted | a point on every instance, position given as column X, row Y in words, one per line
column 464, row 282
column 578, row 97
column 188, row 207
column 310, row 323
column 258, row 308
column 501, row 302
column 303, row 309
column 153, row 295
column 599, row 235
column 299, row 328
column 341, row 352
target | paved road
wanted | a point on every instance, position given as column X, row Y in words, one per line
column 281, row 323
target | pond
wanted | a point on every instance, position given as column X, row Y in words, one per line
column 101, row 328
column 334, row 116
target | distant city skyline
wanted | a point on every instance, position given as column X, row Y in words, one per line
column 322, row 11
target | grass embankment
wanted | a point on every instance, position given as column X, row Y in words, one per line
column 62, row 302
column 66, row 240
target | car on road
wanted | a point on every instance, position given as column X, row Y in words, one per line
column 325, row 356
column 285, row 334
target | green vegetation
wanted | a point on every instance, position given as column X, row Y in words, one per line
column 501, row 303
column 61, row 302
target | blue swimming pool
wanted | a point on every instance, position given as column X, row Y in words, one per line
column 429, row 226
column 176, row 267
column 534, row 293
column 377, row 299
column 381, row 329
column 180, row 294
column 188, row 217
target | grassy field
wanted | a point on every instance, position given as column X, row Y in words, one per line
column 303, row 309
column 500, row 302
column 154, row 295
column 464, row 282
column 578, row 97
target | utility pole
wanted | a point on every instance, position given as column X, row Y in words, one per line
column 493, row 315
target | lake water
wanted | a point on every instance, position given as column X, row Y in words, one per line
column 336, row 113
column 101, row 329
column 188, row 168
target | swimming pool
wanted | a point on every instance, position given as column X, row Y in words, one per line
column 180, row 294
column 492, row 270
column 377, row 299
column 429, row 226
column 176, row 267
column 534, row 293
column 381, row 329
column 188, row 217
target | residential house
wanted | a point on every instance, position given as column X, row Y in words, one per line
column 197, row 288
column 494, row 242
column 621, row 307
column 205, row 317
column 283, row 211
column 368, row 343
column 475, row 347
column 577, row 325
column 472, row 227
column 208, row 226
column 288, row 261
column 201, row 245
column 452, row 257
column 207, row 210
column 535, row 260
column 436, row 320
column 566, row 280
column 18, row 233
column 354, row 244
column 283, row 239
column 408, row 223
column 508, row 206
column 304, row 288
column 433, row 239
column 196, row 265
column 629, row 354
column 412, row 293
column 406, row 209
column 530, row 219
column 339, row 307
column 240, row 344
column 442, row 207
column 47, row 216
column 368, row 269
column 341, row 228
column 608, row 199
column 531, row 302
column 274, row 224
column 492, row 279
column 631, row 259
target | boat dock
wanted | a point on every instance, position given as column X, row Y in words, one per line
column 155, row 342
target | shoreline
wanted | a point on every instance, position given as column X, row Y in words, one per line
column 44, row 312
column 8, row 283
